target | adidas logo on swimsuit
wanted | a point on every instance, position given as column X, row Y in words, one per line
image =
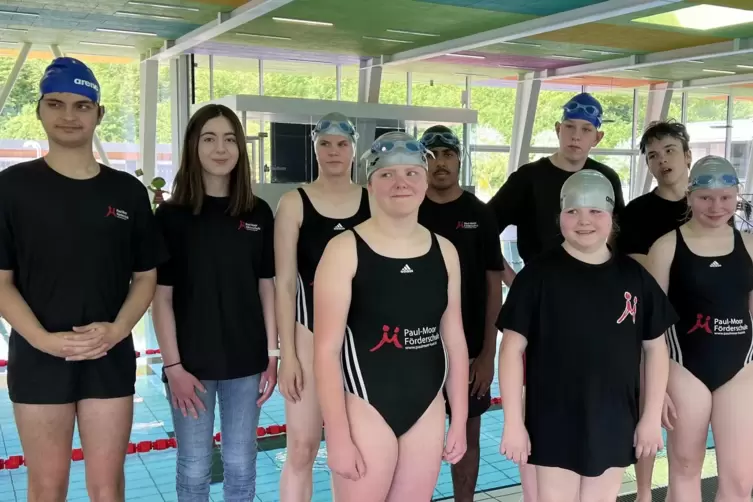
column 715, row 264
column 339, row 227
column 406, row 270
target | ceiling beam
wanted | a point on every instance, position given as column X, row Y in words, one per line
column 226, row 21
column 567, row 19
column 636, row 61
column 703, row 83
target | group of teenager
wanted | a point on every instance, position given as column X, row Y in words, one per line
column 375, row 311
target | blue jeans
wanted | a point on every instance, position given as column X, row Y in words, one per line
column 239, row 417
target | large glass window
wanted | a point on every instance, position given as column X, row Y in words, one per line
column 707, row 124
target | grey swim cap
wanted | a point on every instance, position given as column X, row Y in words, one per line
column 713, row 172
column 336, row 124
column 395, row 149
column 587, row 188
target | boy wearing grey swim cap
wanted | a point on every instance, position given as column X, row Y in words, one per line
column 77, row 272
column 581, row 311
column 706, row 268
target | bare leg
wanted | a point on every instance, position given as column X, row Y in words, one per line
column 528, row 474
column 732, row 423
column 378, row 447
column 105, row 427
column 529, row 483
column 557, row 485
column 644, row 468
column 686, row 447
column 420, row 456
column 604, row 488
column 304, row 427
column 46, row 432
column 465, row 472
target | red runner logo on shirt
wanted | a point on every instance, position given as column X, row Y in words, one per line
column 388, row 339
column 630, row 309
column 701, row 325
column 116, row 213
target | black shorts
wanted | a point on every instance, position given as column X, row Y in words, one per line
column 35, row 377
column 477, row 405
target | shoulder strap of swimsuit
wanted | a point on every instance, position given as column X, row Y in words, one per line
column 680, row 243
column 364, row 206
column 307, row 205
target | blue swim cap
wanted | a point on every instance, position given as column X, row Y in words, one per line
column 583, row 107
column 69, row 75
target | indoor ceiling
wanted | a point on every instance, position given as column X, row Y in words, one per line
column 353, row 29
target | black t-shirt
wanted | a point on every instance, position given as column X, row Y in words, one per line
column 469, row 225
column 530, row 199
column 73, row 245
column 646, row 218
column 216, row 262
column 585, row 325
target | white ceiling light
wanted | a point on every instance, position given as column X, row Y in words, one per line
column 16, row 13
column 256, row 35
column 126, row 32
column 103, row 44
column 560, row 56
column 725, row 72
column 604, row 53
column 17, row 30
column 163, row 6
column 467, row 56
column 301, row 21
column 694, row 61
column 391, row 40
column 745, row 67
column 148, row 16
column 417, row 33
column 524, row 44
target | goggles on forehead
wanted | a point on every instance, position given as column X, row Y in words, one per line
column 386, row 146
column 448, row 138
column 590, row 110
column 325, row 125
column 714, row 181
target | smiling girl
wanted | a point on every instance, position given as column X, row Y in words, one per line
column 582, row 315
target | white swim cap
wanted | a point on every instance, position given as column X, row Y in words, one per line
column 395, row 149
column 587, row 189
column 712, row 172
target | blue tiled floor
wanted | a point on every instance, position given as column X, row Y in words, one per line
column 151, row 476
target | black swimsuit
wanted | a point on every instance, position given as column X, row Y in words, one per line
column 713, row 338
column 315, row 232
column 393, row 356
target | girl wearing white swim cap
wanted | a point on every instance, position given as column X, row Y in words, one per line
column 706, row 267
column 581, row 314
column 307, row 218
column 388, row 338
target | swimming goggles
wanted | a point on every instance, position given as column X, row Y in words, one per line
column 447, row 138
column 590, row 110
column 387, row 146
column 714, row 181
column 326, row 125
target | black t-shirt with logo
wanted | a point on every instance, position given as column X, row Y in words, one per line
column 216, row 262
column 646, row 218
column 530, row 199
column 585, row 325
column 469, row 225
column 74, row 245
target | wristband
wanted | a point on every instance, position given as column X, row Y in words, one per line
column 274, row 353
column 171, row 365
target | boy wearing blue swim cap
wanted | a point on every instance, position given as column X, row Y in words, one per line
column 77, row 271
column 530, row 196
